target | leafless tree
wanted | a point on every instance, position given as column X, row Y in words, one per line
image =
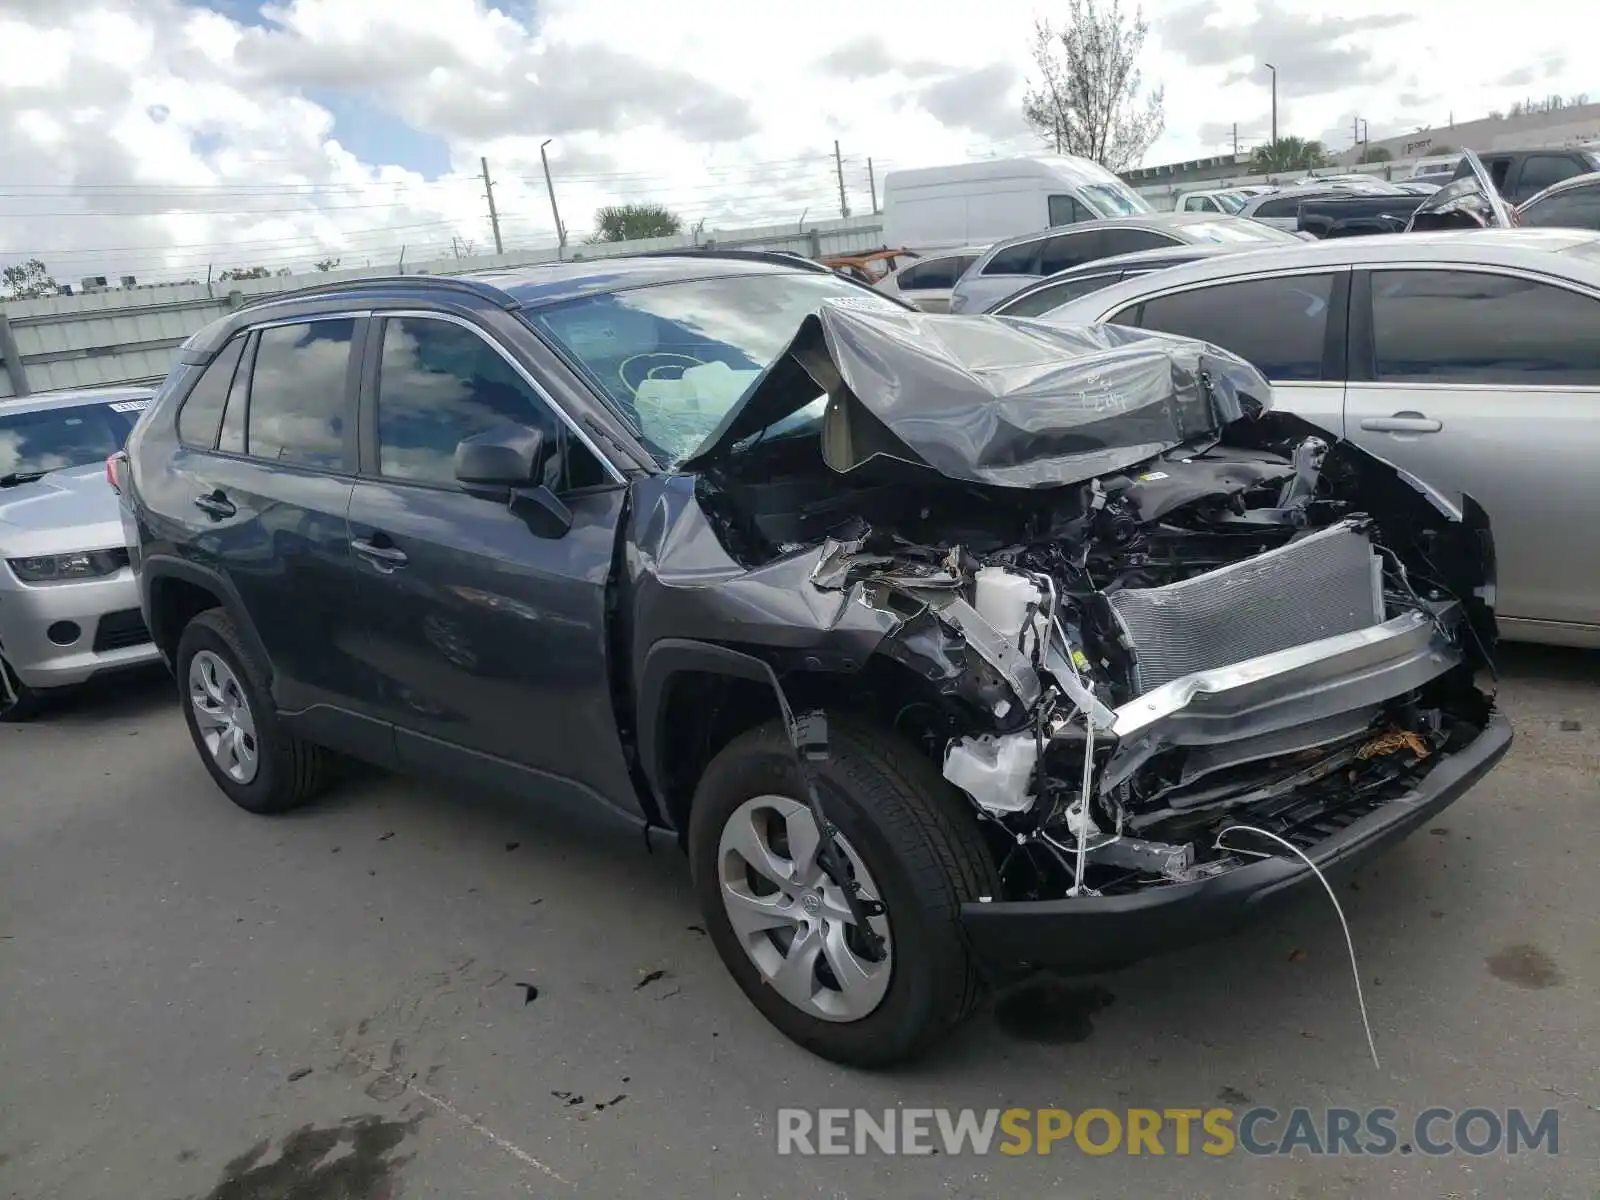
column 1089, row 97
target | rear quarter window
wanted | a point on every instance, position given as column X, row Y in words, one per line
column 201, row 414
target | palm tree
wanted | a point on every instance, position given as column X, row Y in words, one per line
column 630, row 222
column 1288, row 154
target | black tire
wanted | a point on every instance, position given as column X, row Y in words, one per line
column 18, row 701
column 916, row 836
column 291, row 771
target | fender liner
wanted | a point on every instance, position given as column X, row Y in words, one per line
column 154, row 569
column 675, row 656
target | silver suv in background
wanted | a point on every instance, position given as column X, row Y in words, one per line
column 927, row 282
column 1012, row 265
column 69, row 609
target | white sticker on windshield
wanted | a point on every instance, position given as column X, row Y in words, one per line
column 130, row 406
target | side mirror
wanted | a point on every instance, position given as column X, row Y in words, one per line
column 510, row 457
column 509, row 464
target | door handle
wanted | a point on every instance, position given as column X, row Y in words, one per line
column 216, row 504
column 385, row 558
column 1402, row 422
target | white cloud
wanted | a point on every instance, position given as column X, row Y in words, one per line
column 158, row 137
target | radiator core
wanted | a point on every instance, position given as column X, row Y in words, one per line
column 1325, row 583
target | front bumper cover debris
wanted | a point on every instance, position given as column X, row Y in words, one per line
column 1089, row 934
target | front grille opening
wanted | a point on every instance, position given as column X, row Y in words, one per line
column 119, row 630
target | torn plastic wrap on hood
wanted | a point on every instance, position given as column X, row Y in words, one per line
column 995, row 400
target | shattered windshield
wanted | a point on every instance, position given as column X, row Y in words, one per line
column 674, row 358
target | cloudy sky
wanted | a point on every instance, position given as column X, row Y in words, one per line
column 163, row 138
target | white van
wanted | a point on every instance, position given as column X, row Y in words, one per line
column 976, row 203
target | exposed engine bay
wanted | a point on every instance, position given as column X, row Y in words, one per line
column 1250, row 624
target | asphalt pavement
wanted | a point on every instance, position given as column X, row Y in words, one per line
column 410, row 990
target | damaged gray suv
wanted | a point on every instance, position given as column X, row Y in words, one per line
column 949, row 648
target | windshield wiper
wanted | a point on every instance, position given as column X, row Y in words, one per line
column 19, row 477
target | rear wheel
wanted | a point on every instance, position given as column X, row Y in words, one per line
column 18, row 701
column 260, row 765
column 780, row 920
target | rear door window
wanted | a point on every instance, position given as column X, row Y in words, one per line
column 1021, row 259
column 934, row 273
column 1283, row 206
column 1047, row 299
column 1280, row 325
column 1129, row 241
column 1068, row 250
column 1472, row 327
column 1577, row 207
column 298, row 392
column 1539, row 171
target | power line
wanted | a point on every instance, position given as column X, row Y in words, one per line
column 313, row 239
column 286, row 188
column 748, row 168
column 308, row 210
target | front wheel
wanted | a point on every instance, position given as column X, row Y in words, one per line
column 780, row 921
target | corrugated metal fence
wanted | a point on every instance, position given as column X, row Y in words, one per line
column 132, row 335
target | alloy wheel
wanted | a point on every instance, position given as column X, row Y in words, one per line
column 790, row 915
column 222, row 717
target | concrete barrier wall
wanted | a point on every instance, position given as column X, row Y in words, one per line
column 132, row 335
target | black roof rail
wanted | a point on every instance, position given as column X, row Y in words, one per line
column 785, row 258
column 453, row 283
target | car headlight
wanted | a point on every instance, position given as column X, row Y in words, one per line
column 60, row 568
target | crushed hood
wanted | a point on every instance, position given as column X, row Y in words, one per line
column 993, row 400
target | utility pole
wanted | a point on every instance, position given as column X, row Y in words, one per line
column 1236, row 139
column 1274, row 71
column 838, row 162
column 555, row 213
column 494, row 217
column 872, row 185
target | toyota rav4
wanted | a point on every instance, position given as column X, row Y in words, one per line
column 948, row 647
